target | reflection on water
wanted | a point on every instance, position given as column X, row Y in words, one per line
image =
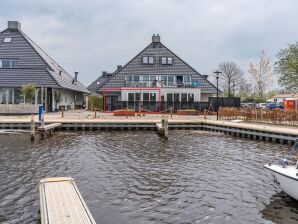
column 137, row 177
column 282, row 209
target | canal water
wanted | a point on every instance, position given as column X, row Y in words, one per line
column 137, row 177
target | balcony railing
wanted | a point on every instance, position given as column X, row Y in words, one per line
column 158, row 84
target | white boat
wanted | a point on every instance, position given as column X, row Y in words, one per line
column 286, row 175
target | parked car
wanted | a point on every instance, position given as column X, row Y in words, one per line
column 261, row 106
column 272, row 106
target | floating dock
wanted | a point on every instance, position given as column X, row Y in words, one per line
column 61, row 202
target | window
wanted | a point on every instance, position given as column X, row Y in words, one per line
column 151, row 60
column 152, row 96
column 145, row 96
column 136, row 78
column 166, row 60
column 170, row 80
column 131, row 97
column 176, row 97
column 148, row 60
column 145, row 60
column 137, row 96
column 8, row 63
column 7, row 39
column 190, row 97
column 170, row 97
column 163, row 60
column 183, row 97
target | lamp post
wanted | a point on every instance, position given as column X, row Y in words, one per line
column 217, row 72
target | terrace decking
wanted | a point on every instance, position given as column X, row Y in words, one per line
column 61, row 202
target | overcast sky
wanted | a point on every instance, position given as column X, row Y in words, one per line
column 91, row 36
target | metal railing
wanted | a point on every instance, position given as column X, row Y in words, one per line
column 158, row 84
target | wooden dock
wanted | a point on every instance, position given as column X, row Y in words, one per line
column 61, row 202
column 48, row 127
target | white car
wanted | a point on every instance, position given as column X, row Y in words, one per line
column 262, row 106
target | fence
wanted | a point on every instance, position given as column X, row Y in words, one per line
column 275, row 116
column 224, row 102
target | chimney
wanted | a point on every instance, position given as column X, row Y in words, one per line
column 14, row 25
column 156, row 38
column 205, row 76
column 119, row 67
column 76, row 76
column 104, row 73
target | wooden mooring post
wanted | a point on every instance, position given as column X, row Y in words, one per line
column 32, row 128
column 42, row 133
column 163, row 127
column 94, row 112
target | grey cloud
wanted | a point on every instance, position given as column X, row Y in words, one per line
column 92, row 36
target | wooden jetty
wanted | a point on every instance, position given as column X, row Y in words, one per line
column 61, row 202
column 265, row 132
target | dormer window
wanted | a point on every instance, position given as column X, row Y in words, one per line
column 7, row 40
column 8, row 63
column 166, row 60
column 148, row 60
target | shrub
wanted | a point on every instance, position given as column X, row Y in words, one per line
column 28, row 92
column 95, row 102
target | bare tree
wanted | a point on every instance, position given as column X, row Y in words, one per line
column 231, row 77
column 261, row 74
column 245, row 89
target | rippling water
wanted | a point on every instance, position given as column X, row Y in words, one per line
column 136, row 177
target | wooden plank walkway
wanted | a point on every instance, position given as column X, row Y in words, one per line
column 61, row 202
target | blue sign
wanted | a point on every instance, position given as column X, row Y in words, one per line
column 40, row 110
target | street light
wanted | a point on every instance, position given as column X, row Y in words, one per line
column 217, row 72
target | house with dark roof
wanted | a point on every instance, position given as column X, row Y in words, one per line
column 154, row 80
column 23, row 62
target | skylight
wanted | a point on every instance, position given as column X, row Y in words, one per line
column 7, row 39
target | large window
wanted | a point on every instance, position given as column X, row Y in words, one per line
column 180, row 97
column 131, row 97
column 191, row 97
column 8, row 63
column 167, row 80
column 146, row 97
column 183, row 97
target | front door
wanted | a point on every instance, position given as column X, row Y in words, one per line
column 111, row 103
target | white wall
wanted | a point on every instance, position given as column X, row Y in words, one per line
column 205, row 96
column 68, row 99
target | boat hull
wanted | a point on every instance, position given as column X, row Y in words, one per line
column 286, row 178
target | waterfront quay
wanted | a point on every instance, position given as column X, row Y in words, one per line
column 89, row 121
